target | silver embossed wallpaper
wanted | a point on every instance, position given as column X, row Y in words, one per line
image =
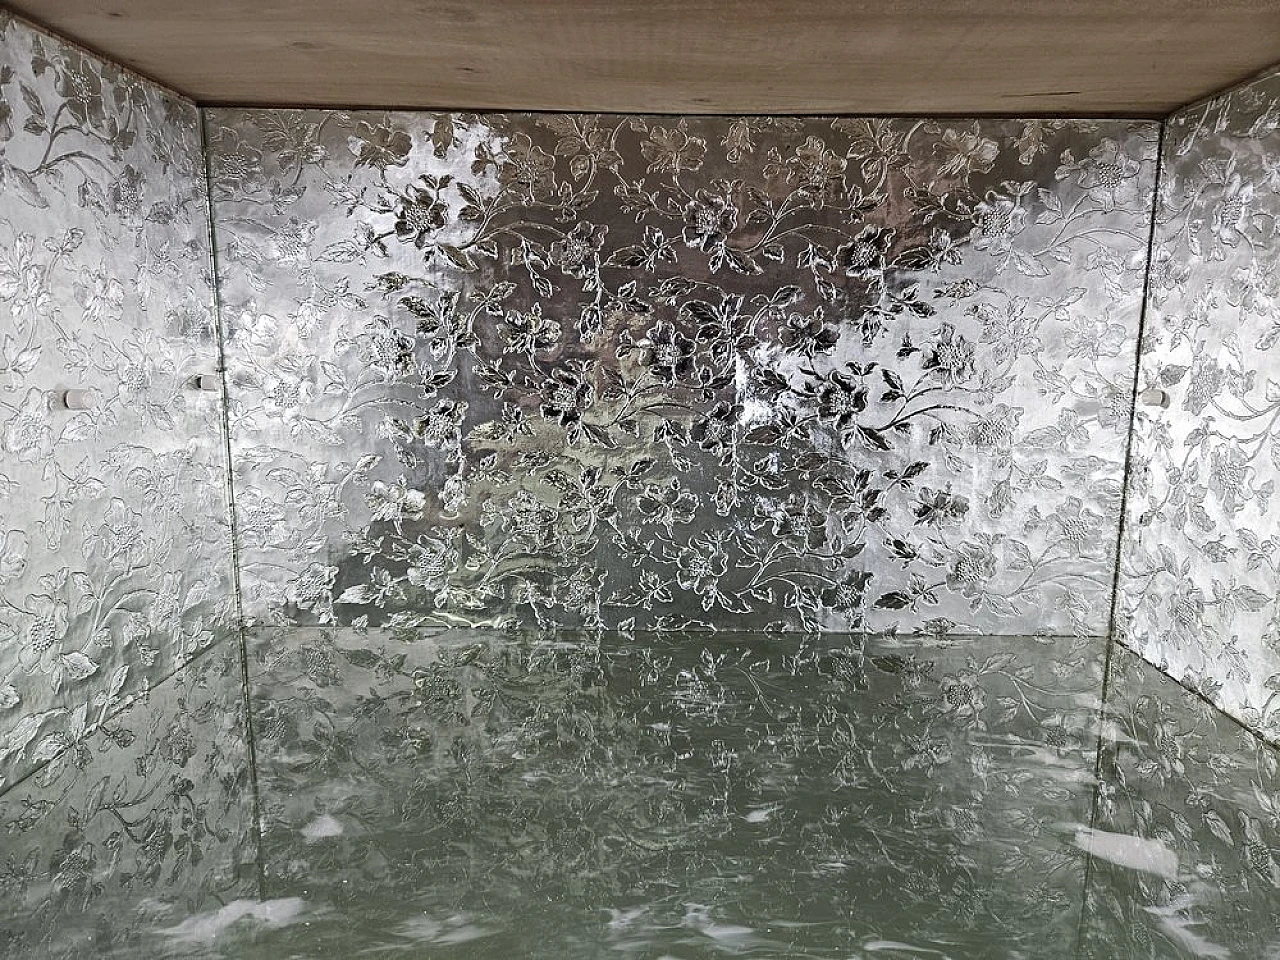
column 851, row 374
column 1200, row 581
column 643, row 373
column 371, row 484
column 115, row 554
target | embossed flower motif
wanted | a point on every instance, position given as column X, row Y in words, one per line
column 668, row 351
column 592, row 320
column 940, row 508
column 577, row 253
column 313, row 587
column 700, row 565
column 815, row 169
column 45, row 632
column 1114, row 408
column 164, row 616
column 809, row 334
column 962, row 695
column 714, row 431
column 973, row 566
column 431, row 564
column 959, row 289
column 122, row 536
column 529, row 166
column 1230, row 216
column 1078, row 525
column 1108, row 175
column 395, row 502
column 965, row 152
column 528, row 521
column 1186, row 609
column 419, row 214
column 79, row 84
column 926, row 752
column 951, row 358
column 709, row 219
column 997, row 221
column 841, row 397
column 865, row 256
column 1229, row 476
column 1255, row 289
column 1167, row 271
column 28, row 435
column 101, row 296
column 379, row 145
column 236, row 166
column 143, row 381
column 388, row 351
column 1204, row 383
column 441, row 425
column 453, row 495
column 995, row 428
column 125, row 193
column 667, row 504
column 78, row 864
column 23, row 278
column 963, row 824
column 653, row 589
column 284, row 393
column 847, row 594
column 259, row 518
column 177, row 746
column 254, row 332
column 292, row 244
column 129, row 90
column 531, row 332
column 1257, row 849
column 567, row 395
column 580, row 591
column 795, row 520
column 671, row 150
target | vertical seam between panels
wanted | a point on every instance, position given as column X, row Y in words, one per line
column 229, row 480
column 1122, row 527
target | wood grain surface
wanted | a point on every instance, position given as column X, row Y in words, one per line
column 1081, row 57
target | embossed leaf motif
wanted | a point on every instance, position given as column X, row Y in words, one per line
column 1198, row 586
column 558, row 371
column 21, row 184
column 13, row 555
column 105, row 287
column 78, row 666
column 18, row 360
column 794, row 326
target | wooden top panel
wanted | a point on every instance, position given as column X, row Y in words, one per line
column 1130, row 57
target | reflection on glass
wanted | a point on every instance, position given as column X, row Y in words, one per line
column 471, row 794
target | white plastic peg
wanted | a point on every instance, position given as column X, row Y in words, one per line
column 1154, row 397
column 79, row 399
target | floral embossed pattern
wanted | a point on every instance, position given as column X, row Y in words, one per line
column 765, row 795
column 680, row 374
column 138, row 824
column 1201, row 561
column 114, row 548
column 520, row 409
column 560, row 794
column 1187, row 828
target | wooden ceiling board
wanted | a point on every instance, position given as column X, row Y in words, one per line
column 1079, row 57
